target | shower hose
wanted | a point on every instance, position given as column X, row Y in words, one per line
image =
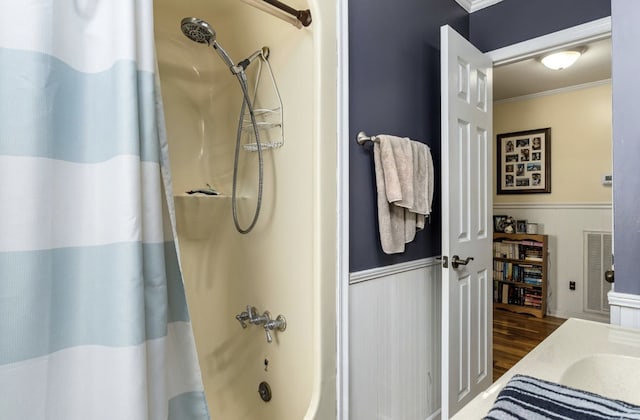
column 246, row 104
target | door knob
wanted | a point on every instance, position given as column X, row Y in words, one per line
column 456, row 261
column 609, row 276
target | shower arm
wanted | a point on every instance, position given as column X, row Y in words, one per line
column 300, row 17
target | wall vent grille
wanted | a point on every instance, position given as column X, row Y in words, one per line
column 597, row 260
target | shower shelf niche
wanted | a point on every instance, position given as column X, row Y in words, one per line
column 197, row 216
column 269, row 120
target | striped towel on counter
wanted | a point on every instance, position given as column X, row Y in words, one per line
column 527, row 398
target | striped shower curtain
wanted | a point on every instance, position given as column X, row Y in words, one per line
column 93, row 315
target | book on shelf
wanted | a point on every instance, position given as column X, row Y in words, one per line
column 522, row 250
column 520, row 272
column 533, row 282
column 515, row 295
column 517, row 272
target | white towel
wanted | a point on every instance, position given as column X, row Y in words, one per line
column 404, row 183
column 397, row 163
column 390, row 217
column 422, row 182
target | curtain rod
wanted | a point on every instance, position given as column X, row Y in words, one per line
column 298, row 18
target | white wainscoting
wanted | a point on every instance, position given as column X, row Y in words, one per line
column 394, row 342
column 565, row 224
column 625, row 309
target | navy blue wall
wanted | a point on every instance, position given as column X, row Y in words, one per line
column 394, row 64
column 513, row 21
column 394, row 61
column 626, row 143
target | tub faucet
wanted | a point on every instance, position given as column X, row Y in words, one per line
column 251, row 316
column 259, row 319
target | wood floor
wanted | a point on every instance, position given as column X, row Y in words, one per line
column 515, row 335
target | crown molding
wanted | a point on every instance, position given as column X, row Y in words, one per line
column 474, row 5
column 551, row 92
column 565, row 38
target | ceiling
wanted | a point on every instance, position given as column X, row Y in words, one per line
column 529, row 76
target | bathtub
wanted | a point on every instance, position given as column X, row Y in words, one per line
column 591, row 356
column 287, row 264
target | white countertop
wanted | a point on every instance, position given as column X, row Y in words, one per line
column 572, row 342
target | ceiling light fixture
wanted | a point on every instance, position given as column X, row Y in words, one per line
column 561, row 60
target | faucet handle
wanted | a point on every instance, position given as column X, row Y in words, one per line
column 252, row 312
column 268, row 334
column 248, row 315
column 280, row 324
column 242, row 317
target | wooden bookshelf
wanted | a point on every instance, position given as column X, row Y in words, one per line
column 520, row 279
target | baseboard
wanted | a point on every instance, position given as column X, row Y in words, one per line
column 581, row 315
column 625, row 309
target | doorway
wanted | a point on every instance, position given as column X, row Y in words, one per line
column 520, row 84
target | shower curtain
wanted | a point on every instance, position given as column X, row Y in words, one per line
column 93, row 314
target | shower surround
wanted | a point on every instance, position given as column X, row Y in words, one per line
column 287, row 264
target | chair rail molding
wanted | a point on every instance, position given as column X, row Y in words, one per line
column 555, row 206
column 390, row 270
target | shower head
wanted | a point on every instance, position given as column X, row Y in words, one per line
column 200, row 31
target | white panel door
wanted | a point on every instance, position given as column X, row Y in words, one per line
column 466, row 221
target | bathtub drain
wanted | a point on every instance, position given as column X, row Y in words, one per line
column 265, row 391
